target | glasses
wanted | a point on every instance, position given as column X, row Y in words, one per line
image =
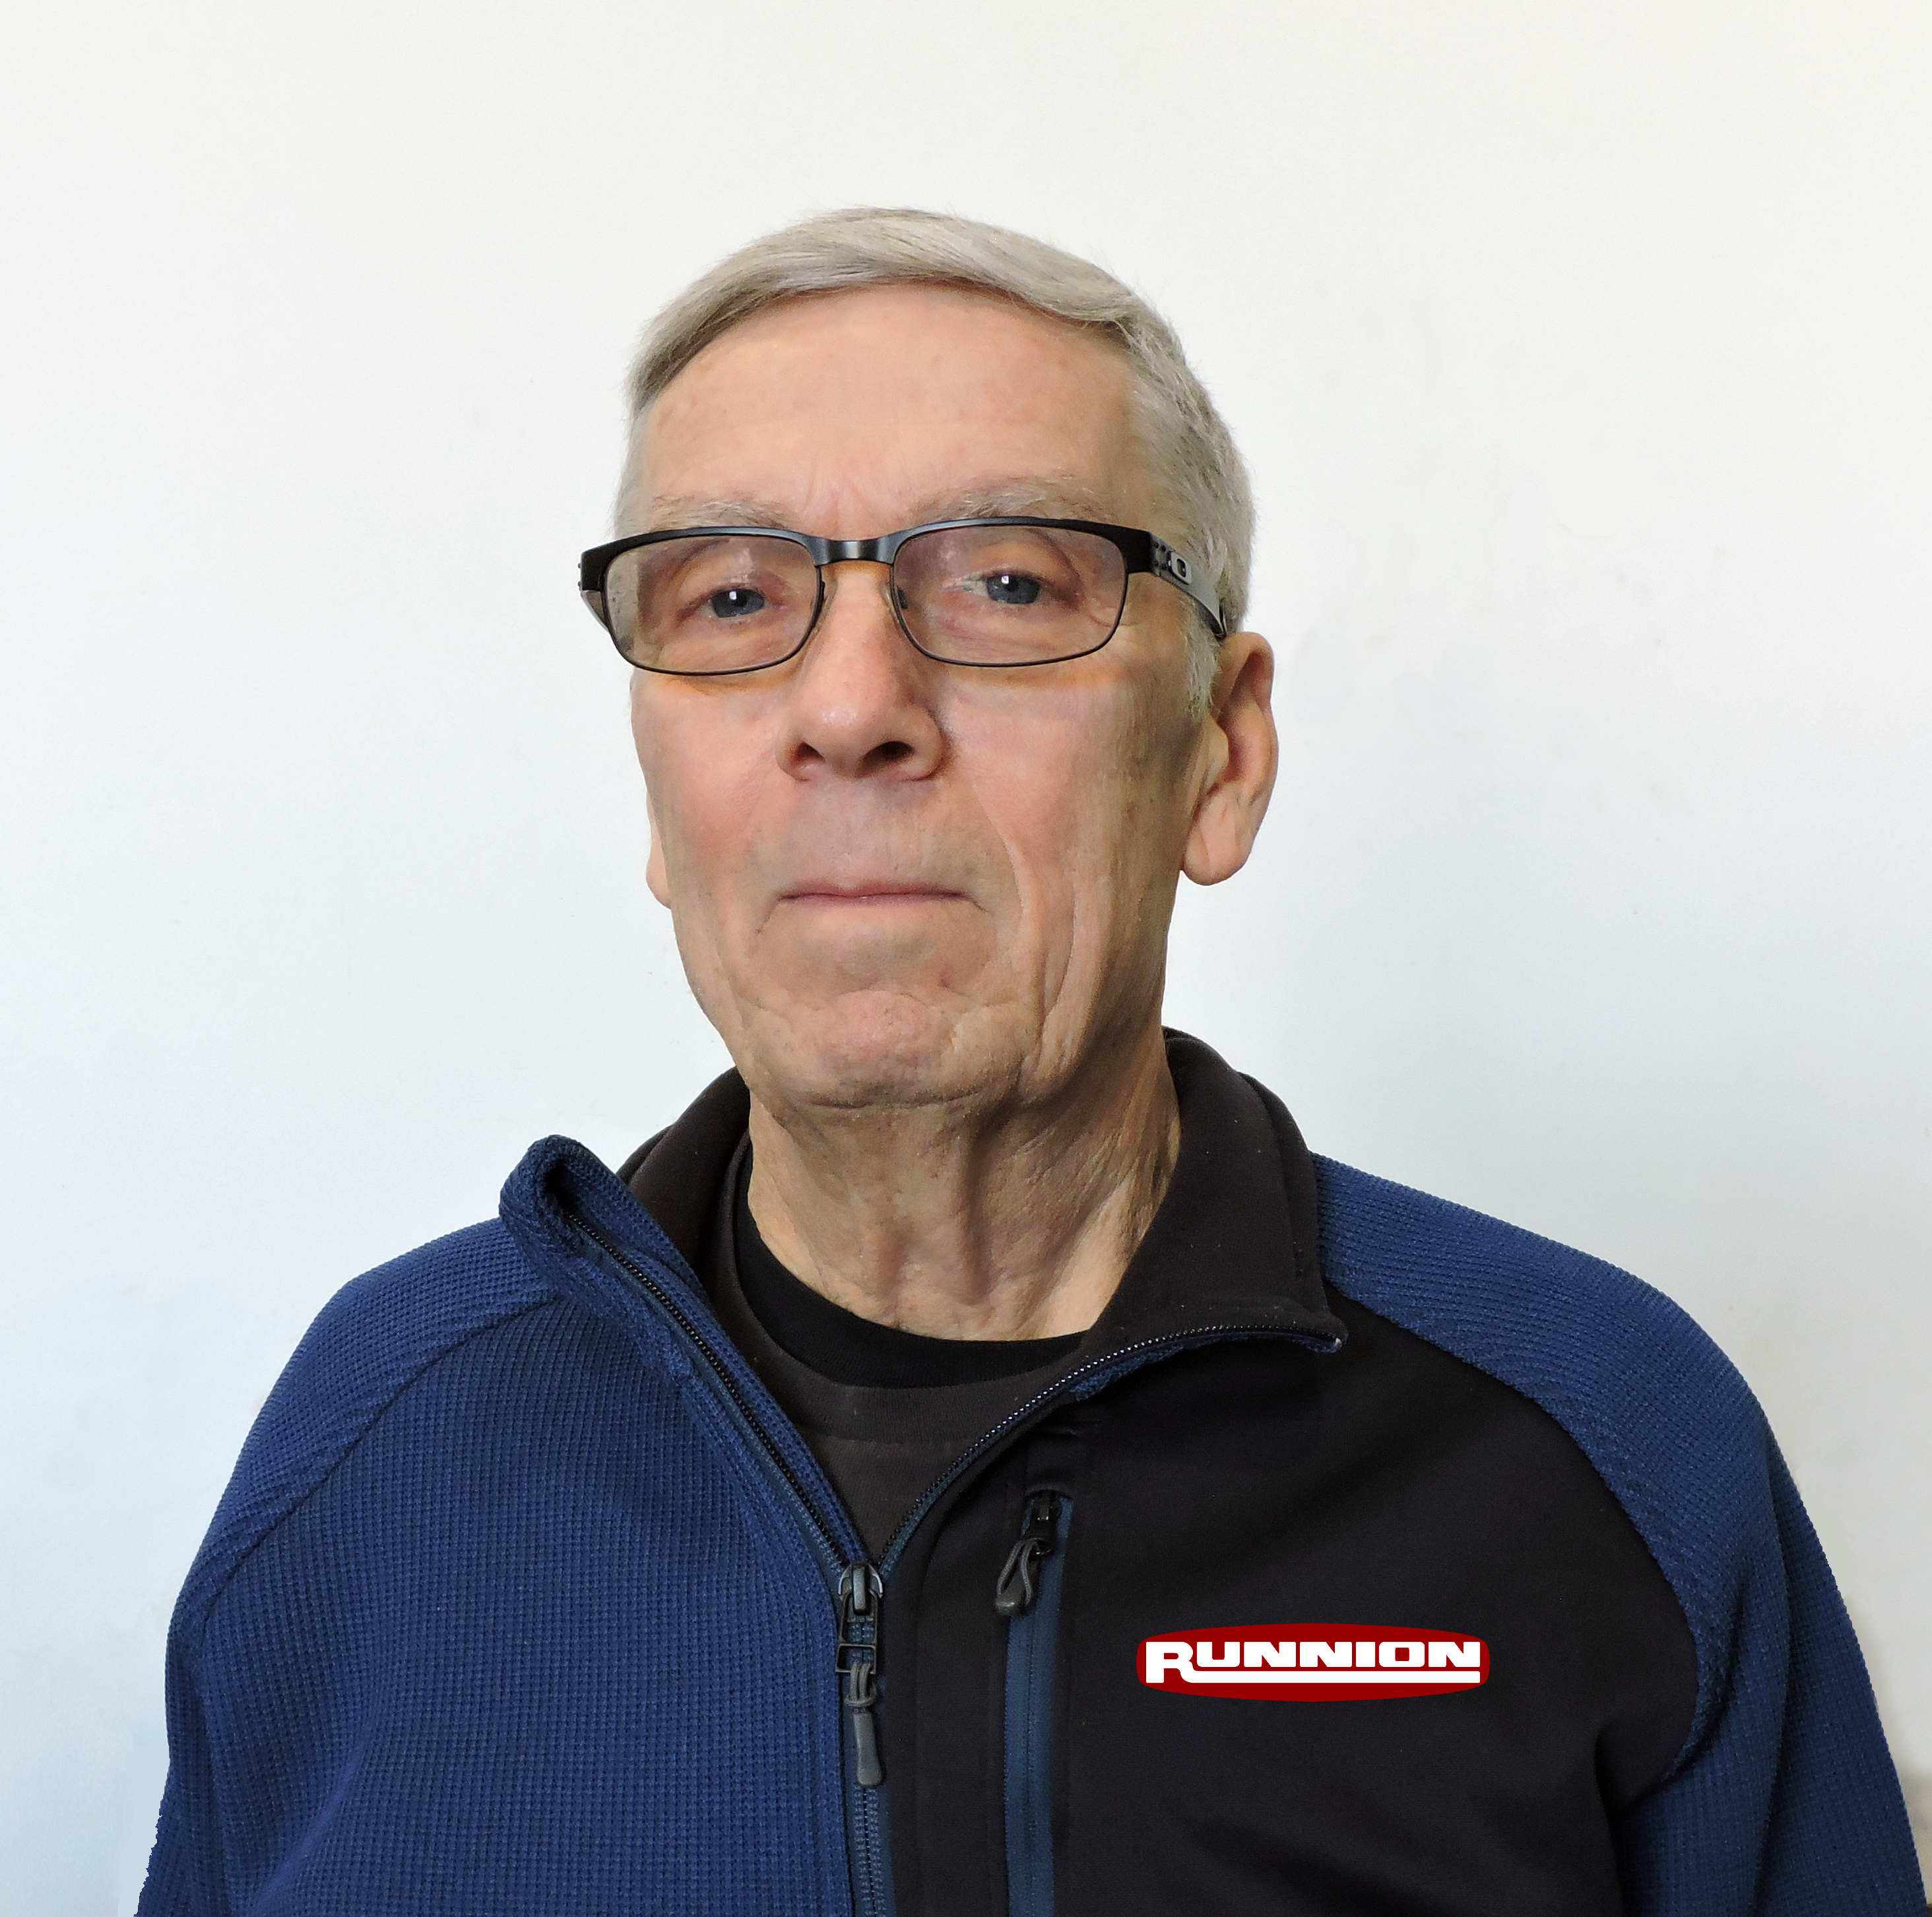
column 712, row 600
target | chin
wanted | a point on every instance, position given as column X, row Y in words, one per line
column 885, row 1048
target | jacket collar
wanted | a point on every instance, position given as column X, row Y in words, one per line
column 1231, row 1253
column 1231, row 1247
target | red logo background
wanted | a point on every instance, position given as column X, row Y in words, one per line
column 1314, row 1663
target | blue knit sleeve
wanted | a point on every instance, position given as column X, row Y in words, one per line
column 376, row 1335
column 1784, row 1801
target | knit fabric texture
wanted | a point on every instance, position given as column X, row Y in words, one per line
column 493, row 1619
column 1784, row 1801
column 504, row 1611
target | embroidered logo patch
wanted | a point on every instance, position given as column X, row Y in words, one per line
column 1314, row 1663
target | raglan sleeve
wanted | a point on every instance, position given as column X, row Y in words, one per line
column 1785, row 1802
column 185, row 1878
column 215, row 1841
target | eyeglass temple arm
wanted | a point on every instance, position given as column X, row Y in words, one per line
column 1164, row 562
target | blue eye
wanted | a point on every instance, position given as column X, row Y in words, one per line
column 1011, row 588
column 737, row 602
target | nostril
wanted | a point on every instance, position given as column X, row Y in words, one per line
column 890, row 754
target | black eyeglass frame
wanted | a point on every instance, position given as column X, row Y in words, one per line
column 1143, row 552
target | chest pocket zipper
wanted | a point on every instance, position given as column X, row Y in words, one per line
column 1027, row 1596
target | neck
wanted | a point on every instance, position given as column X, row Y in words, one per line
column 1015, row 1219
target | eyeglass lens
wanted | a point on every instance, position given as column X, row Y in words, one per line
column 993, row 595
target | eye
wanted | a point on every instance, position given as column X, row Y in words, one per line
column 737, row 602
column 1011, row 589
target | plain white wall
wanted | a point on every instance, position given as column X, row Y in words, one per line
column 1581, row 353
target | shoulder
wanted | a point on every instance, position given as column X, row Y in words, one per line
column 1660, row 1412
column 1569, row 1330
column 371, row 1341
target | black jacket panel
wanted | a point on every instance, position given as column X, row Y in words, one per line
column 1251, row 1478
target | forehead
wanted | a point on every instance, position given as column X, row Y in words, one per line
column 850, row 413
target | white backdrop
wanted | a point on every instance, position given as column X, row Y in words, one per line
column 1581, row 351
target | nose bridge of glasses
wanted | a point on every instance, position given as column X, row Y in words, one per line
column 865, row 552
column 836, row 550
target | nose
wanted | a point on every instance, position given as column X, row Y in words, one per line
column 860, row 701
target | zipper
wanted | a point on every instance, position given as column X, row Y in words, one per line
column 1144, row 1350
column 860, row 1599
column 1018, row 1583
column 1027, row 1596
column 860, row 1588
column 857, row 1589
column 832, row 1552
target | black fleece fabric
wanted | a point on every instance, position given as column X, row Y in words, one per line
column 1253, row 1474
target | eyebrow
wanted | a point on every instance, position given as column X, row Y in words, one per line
column 1035, row 497
column 1056, row 498
column 685, row 509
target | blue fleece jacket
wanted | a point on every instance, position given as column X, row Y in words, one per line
column 512, row 1605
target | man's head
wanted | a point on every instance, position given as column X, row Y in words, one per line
column 900, row 883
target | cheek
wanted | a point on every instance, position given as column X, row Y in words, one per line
column 702, row 781
column 1080, row 790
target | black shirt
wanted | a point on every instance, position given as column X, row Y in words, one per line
column 884, row 1411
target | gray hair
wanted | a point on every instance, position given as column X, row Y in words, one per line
column 1195, row 463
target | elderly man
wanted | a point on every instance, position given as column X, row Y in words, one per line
column 976, row 1460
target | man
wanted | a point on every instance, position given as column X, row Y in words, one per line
column 976, row 1460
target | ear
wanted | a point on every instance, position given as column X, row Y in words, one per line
column 1237, row 770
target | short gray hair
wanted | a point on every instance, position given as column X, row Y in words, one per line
column 1195, row 463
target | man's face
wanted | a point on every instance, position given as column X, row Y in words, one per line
column 894, row 881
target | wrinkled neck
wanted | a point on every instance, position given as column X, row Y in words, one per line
column 1008, row 1218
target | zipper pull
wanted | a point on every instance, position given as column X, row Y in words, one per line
column 1019, row 1581
column 859, row 1589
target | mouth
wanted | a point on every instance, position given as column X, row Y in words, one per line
column 866, row 892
